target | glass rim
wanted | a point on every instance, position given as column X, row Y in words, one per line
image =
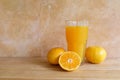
column 76, row 23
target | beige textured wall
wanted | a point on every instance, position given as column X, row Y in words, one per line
column 29, row 28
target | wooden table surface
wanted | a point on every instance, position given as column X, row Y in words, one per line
column 40, row 69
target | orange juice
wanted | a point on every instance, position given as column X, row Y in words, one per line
column 76, row 37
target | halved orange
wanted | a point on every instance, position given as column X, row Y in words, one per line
column 69, row 61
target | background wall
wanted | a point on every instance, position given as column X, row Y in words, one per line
column 29, row 28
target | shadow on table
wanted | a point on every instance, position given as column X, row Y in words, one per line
column 43, row 63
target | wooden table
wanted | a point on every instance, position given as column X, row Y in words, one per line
column 40, row 69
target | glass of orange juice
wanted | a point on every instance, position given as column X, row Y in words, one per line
column 76, row 36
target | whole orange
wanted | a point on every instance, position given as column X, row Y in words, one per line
column 95, row 54
column 54, row 54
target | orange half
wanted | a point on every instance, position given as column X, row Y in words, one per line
column 69, row 61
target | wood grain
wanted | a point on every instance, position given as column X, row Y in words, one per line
column 40, row 69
